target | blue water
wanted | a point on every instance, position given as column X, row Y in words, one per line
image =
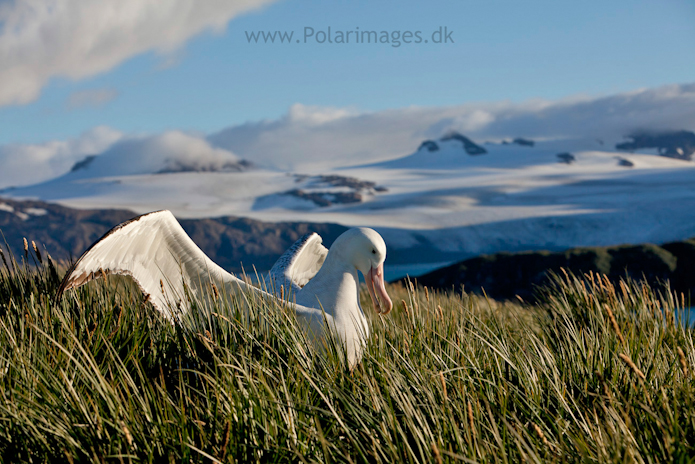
column 396, row 271
column 688, row 317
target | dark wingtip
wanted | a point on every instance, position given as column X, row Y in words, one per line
column 65, row 284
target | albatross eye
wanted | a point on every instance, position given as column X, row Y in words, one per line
column 373, row 251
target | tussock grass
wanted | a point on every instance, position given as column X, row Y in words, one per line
column 594, row 373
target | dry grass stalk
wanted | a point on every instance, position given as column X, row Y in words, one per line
column 37, row 252
column 684, row 363
column 215, row 291
column 470, row 419
column 670, row 316
column 564, row 271
column 655, row 309
column 2, row 255
column 614, row 323
column 606, row 390
column 427, row 294
column 225, row 442
column 282, row 292
column 591, row 279
column 541, row 435
column 626, row 359
column 128, row 436
column 437, row 454
column 405, row 308
column 609, row 287
column 443, row 381
column 26, row 248
column 645, row 295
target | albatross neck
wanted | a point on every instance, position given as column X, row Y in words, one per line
column 336, row 285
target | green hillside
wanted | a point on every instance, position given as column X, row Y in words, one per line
column 593, row 373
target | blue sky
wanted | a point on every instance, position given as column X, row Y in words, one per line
column 204, row 80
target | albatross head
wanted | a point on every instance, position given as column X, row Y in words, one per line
column 366, row 251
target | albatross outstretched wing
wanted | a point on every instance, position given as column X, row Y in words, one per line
column 298, row 265
column 158, row 254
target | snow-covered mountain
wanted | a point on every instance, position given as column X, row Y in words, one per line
column 450, row 199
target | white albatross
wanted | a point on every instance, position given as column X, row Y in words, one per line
column 164, row 261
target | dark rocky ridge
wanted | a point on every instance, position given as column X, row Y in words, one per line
column 229, row 241
column 83, row 163
column 175, row 166
column 471, row 147
column 178, row 166
column 522, row 142
column 567, row 158
column 505, row 275
column 678, row 144
column 429, row 145
column 322, row 198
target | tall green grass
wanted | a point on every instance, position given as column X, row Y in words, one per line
column 595, row 373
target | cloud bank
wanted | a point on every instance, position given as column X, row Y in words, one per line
column 171, row 151
column 314, row 139
column 29, row 164
column 40, row 39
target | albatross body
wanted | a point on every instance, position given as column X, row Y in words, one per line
column 323, row 285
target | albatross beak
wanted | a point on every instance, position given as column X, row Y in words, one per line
column 375, row 278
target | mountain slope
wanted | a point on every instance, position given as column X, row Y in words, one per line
column 506, row 275
column 229, row 241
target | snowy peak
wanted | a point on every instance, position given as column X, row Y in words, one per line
column 471, row 147
column 467, row 144
column 171, row 152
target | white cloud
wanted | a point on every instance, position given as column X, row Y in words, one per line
column 91, row 97
column 312, row 139
column 28, row 164
column 169, row 151
column 40, row 39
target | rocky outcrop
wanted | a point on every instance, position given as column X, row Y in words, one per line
column 429, row 145
column 179, row 166
column 678, row 144
column 331, row 190
column 520, row 141
column 567, row 158
column 83, row 163
column 506, row 275
column 324, row 199
column 471, row 147
column 176, row 166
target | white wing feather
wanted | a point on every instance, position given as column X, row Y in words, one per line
column 298, row 265
column 158, row 254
